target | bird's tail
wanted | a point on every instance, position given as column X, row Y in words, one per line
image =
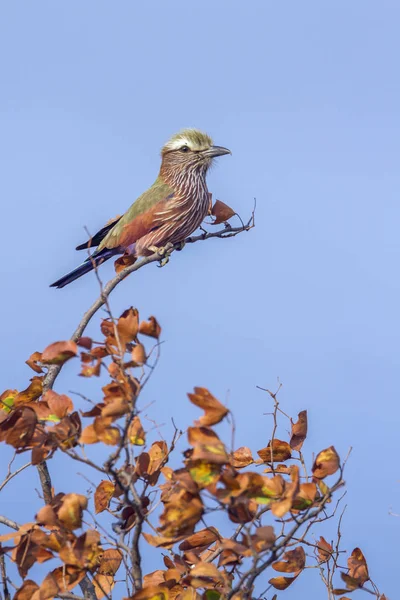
column 90, row 263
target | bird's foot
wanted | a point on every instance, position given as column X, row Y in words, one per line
column 180, row 246
column 164, row 261
column 163, row 252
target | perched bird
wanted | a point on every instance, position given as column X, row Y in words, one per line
column 169, row 211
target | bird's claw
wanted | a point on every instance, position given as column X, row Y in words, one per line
column 164, row 261
column 180, row 246
column 163, row 252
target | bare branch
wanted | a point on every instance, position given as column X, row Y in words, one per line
column 9, row 522
column 228, row 231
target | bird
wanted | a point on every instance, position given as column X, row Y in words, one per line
column 166, row 213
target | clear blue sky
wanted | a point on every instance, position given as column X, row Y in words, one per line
column 307, row 96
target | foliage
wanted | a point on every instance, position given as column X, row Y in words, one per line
column 220, row 516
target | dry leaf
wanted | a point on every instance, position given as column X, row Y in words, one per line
column 103, row 494
column 326, row 463
column 214, row 411
column 150, row 328
column 278, row 451
column 241, row 458
column 299, row 431
column 222, row 212
column 59, row 352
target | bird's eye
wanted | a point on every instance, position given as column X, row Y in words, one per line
column 184, row 149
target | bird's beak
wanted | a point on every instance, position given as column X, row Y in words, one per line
column 216, row 151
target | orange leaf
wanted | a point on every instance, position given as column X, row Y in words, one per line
column 222, row 212
column 326, row 463
column 59, row 404
column 103, row 494
column 88, row 436
column 33, row 361
column 59, row 352
column 214, row 411
column 124, row 261
column 138, row 354
column 128, row 326
column 299, row 431
column 150, row 328
column 103, row 585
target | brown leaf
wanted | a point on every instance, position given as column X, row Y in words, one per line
column 33, row 361
column 91, row 369
column 278, row 451
column 103, row 585
column 26, row 591
column 299, row 431
column 151, row 593
column 222, row 212
column 204, row 575
column 85, row 342
column 358, row 568
column 159, row 541
column 203, row 538
column 136, row 434
column 305, row 496
column 110, row 562
column 214, row 411
column 150, row 328
column 138, row 354
column 326, row 463
column 149, row 464
column 324, row 550
column 71, row 509
column 352, row 584
column 241, row 458
column 263, row 538
column 17, row 429
column 128, row 326
column 293, row 560
column 124, row 261
column 180, row 517
column 281, row 583
column 103, row 494
column 154, row 579
column 59, row 404
column 89, row 436
column 65, row 578
column 59, row 352
column 208, row 448
column 33, row 392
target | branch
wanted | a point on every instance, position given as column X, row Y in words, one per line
column 228, row 231
column 9, row 522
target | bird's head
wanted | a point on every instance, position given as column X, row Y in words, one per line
column 190, row 149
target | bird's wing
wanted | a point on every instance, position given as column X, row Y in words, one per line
column 140, row 218
column 99, row 236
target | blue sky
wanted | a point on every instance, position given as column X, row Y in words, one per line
column 307, row 96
